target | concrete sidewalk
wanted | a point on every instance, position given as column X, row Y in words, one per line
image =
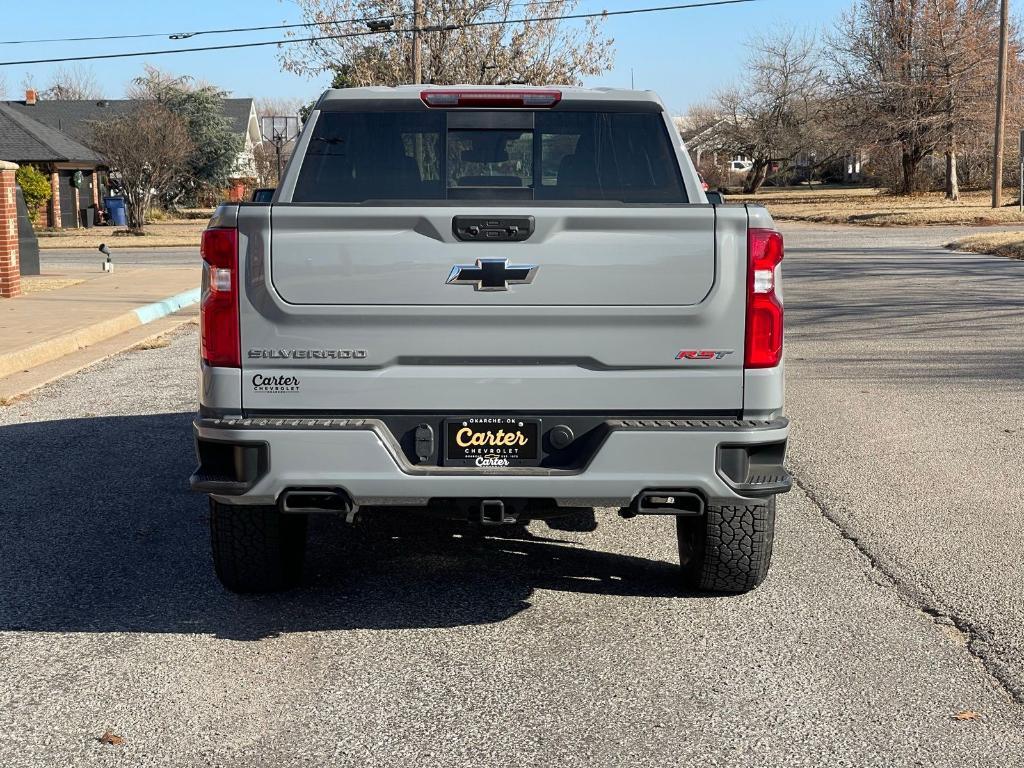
column 38, row 328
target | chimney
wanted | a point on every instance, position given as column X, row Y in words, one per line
column 30, row 97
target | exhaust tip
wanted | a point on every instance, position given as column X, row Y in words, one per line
column 667, row 502
column 306, row 500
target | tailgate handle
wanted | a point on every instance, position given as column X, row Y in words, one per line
column 493, row 229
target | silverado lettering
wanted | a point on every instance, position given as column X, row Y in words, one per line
column 306, row 354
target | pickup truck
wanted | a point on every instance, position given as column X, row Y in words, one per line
column 497, row 305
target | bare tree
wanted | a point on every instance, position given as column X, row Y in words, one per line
column 155, row 83
column 960, row 50
column 277, row 105
column 147, row 150
column 73, row 84
column 528, row 52
column 884, row 83
column 216, row 148
column 769, row 118
column 3, row 86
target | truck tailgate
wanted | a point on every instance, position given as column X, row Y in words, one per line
column 353, row 307
column 403, row 256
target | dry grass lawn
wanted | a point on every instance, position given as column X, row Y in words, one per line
column 1007, row 244
column 164, row 234
column 157, row 343
column 877, row 208
column 42, row 283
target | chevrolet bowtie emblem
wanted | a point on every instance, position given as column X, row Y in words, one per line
column 491, row 274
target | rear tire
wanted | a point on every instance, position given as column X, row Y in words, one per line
column 728, row 549
column 256, row 548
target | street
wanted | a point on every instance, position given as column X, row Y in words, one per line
column 893, row 604
column 75, row 259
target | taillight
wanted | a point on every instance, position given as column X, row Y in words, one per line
column 481, row 97
column 764, row 310
column 218, row 311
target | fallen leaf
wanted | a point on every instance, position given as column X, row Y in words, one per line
column 109, row 737
column 967, row 714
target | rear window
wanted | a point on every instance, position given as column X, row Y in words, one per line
column 566, row 156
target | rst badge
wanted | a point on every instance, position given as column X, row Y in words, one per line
column 702, row 354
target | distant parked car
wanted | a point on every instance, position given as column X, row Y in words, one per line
column 740, row 166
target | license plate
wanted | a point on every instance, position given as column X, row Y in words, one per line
column 492, row 441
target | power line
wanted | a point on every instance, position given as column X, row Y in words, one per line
column 227, row 30
column 231, row 30
column 367, row 33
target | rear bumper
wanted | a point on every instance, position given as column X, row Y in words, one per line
column 251, row 461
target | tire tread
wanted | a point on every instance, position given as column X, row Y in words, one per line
column 737, row 550
column 256, row 548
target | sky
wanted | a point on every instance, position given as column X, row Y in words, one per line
column 683, row 55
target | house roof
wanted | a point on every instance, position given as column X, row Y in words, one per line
column 75, row 118
column 24, row 140
column 693, row 135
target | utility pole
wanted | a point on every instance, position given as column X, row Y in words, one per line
column 417, row 49
column 997, row 160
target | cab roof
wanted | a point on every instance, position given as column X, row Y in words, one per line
column 410, row 95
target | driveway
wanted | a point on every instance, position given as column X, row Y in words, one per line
column 889, row 609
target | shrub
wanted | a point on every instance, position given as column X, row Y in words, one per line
column 157, row 213
column 713, row 174
column 35, row 185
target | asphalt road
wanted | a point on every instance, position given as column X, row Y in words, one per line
column 904, row 386
column 889, row 609
column 56, row 259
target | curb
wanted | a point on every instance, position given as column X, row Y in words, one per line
column 168, row 306
column 57, row 347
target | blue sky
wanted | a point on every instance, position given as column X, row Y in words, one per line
column 684, row 55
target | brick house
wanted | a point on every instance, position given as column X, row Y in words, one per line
column 29, row 142
column 57, row 130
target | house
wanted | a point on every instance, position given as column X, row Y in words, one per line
column 66, row 127
column 27, row 141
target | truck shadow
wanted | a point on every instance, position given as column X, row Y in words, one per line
column 101, row 534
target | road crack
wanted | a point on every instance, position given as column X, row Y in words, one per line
column 977, row 640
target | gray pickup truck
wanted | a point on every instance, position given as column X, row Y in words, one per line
column 496, row 305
